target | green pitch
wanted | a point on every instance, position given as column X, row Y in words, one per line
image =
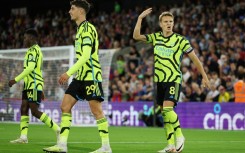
column 123, row 140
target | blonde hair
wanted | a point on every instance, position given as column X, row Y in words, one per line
column 166, row 13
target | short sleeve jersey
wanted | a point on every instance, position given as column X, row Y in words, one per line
column 34, row 80
column 88, row 36
column 168, row 53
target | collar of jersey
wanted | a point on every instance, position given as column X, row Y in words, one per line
column 82, row 23
column 168, row 36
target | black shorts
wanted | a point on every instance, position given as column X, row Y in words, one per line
column 32, row 95
column 86, row 90
column 168, row 91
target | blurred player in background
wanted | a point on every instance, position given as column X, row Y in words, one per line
column 87, row 85
column 169, row 48
column 32, row 93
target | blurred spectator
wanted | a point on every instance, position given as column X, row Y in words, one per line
column 224, row 96
column 140, row 90
column 239, row 89
column 116, row 95
column 131, row 68
column 198, row 92
column 186, row 73
column 181, row 97
column 133, row 81
column 215, row 79
column 59, row 93
column 123, row 88
column 223, row 65
column 121, row 65
column 189, row 96
column 213, row 94
column 134, row 56
column 148, row 88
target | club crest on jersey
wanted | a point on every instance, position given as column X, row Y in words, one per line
column 31, row 58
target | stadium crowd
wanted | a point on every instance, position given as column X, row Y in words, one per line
column 216, row 32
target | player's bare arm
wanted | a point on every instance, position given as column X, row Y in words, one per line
column 196, row 61
column 137, row 35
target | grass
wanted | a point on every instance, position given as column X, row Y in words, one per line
column 123, row 140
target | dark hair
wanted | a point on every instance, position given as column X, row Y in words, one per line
column 82, row 3
column 31, row 32
column 241, row 75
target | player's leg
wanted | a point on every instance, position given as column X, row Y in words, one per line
column 174, row 91
column 177, row 131
column 66, row 120
column 72, row 95
column 44, row 117
column 102, row 123
column 168, row 126
column 24, row 123
column 167, row 106
column 171, row 120
column 95, row 97
column 34, row 102
column 170, row 117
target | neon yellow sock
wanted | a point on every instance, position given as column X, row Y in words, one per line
column 49, row 122
column 24, row 125
column 65, row 125
column 175, row 123
column 168, row 127
column 103, row 131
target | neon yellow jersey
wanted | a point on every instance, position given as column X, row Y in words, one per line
column 168, row 53
column 32, row 73
column 87, row 66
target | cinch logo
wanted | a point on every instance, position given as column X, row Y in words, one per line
column 218, row 120
column 119, row 115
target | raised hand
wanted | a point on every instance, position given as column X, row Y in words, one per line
column 145, row 13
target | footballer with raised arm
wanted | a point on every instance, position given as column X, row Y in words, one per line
column 169, row 48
